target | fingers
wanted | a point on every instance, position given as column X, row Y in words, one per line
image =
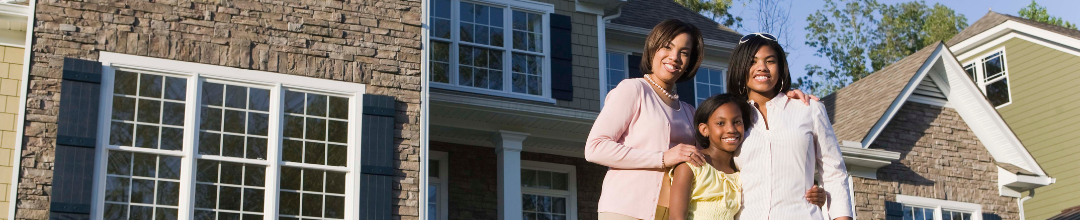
column 814, row 97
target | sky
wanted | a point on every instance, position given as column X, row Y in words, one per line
column 800, row 54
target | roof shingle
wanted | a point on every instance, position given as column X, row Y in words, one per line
column 647, row 13
column 993, row 19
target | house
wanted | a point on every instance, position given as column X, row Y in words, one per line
column 13, row 56
column 957, row 157
column 1021, row 65
column 218, row 110
column 508, row 129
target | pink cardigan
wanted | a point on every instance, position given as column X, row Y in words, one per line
column 629, row 136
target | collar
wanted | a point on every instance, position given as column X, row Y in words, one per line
column 781, row 99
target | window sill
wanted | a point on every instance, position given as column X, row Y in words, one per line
column 544, row 99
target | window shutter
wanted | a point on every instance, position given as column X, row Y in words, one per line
column 991, row 216
column 633, row 67
column 562, row 60
column 686, row 91
column 377, row 157
column 894, row 211
column 76, row 139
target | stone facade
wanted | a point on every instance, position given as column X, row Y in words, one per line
column 940, row 158
column 377, row 43
column 473, row 188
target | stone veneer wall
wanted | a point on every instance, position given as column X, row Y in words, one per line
column 11, row 65
column 473, row 188
column 940, row 158
column 377, row 43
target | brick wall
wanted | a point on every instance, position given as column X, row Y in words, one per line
column 11, row 65
column 473, row 189
column 370, row 42
column 940, row 158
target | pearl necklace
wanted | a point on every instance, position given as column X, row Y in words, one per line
column 669, row 95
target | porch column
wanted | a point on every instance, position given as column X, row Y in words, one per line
column 508, row 150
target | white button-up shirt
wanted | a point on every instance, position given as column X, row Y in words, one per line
column 778, row 163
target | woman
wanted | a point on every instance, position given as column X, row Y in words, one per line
column 786, row 142
column 644, row 129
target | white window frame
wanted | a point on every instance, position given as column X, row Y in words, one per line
column 607, row 66
column 980, row 74
column 571, row 187
column 196, row 74
column 508, row 6
column 442, row 182
column 723, row 71
column 939, row 205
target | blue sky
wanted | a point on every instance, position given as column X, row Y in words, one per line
column 801, row 54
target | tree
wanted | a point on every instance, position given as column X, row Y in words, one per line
column 772, row 16
column 1036, row 12
column 715, row 9
column 855, row 36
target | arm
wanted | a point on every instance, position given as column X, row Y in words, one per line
column 834, row 174
column 682, row 181
column 605, row 143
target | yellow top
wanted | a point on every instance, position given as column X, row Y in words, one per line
column 714, row 195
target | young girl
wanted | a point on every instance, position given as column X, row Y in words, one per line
column 712, row 191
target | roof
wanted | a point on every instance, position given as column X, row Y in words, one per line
column 1067, row 214
column 993, row 19
column 647, row 13
column 862, row 103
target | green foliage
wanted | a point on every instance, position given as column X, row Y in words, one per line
column 716, row 9
column 1036, row 12
column 857, row 43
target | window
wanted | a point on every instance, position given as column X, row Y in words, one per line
column 494, row 49
column 992, row 76
column 708, row 82
column 228, row 125
column 919, row 208
column 548, row 191
column 616, row 69
column 438, row 185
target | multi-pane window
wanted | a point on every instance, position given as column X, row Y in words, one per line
column 481, row 46
column 992, row 76
column 919, row 208
column 235, row 131
column 616, row 69
column 437, row 186
column 922, row 213
column 547, row 191
column 708, row 82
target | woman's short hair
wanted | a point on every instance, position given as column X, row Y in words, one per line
column 742, row 59
column 706, row 108
column 662, row 35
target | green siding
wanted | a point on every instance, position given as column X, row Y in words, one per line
column 1043, row 114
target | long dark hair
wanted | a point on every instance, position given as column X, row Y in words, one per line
column 662, row 35
column 742, row 59
column 706, row 109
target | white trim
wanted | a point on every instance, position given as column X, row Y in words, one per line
column 1030, row 33
column 929, row 100
column 598, row 10
column 425, row 88
column 903, row 96
column 939, row 205
column 20, row 133
column 723, row 75
column 546, row 111
column 443, row 185
column 17, row 10
column 601, row 49
column 998, row 41
column 570, row 193
column 980, row 71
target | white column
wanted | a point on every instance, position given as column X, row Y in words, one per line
column 508, row 150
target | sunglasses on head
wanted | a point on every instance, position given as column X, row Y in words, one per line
column 747, row 37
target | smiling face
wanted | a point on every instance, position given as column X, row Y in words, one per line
column 672, row 60
column 724, row 128
column 764, row 72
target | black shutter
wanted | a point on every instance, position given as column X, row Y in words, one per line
column 76, row 140
column 991, row 216
column 377, row 157
column 633, row 67
column 686, row 91
column 894, row 211
column 562, row 60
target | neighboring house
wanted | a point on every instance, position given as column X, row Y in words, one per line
column 957, row 157
column 13, row 25
column 1025, row 68
column 220, row 110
